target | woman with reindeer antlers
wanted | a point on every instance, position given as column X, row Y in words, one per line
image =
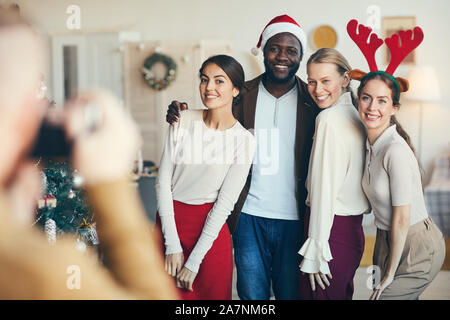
column 409, row 248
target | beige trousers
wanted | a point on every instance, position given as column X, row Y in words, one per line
column 421, row 260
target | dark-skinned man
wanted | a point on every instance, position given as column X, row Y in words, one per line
column 267, row 220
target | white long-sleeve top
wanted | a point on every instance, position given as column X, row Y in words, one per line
column 201, row 165
column 334, row 179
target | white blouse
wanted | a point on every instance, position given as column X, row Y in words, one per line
column 201, row 165
column 334, row 179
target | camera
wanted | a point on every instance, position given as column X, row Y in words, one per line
column 51, row 142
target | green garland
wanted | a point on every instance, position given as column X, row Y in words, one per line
column 150, row 78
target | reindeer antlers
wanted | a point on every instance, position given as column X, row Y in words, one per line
column 368, row 49
column 398, row 50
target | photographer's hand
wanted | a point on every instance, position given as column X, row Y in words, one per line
column 23, row 193
column 104, row 152
column 104, row 148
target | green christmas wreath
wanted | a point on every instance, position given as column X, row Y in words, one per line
column 149, row 76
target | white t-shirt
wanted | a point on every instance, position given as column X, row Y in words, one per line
column 201, row 165
column 334, row 179
column 272, row 188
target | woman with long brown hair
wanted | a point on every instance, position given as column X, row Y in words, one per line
column 409, row 248
column 204, row 166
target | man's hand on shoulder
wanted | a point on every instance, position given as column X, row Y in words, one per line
column 174, row 111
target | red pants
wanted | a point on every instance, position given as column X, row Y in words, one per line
column 214, row 278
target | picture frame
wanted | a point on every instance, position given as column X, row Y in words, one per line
column 391, row 25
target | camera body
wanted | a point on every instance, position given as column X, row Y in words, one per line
column 51, row 142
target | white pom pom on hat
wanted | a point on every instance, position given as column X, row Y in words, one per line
column 255, row 51
column 280, row 24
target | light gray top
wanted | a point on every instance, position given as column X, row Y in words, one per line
column 392, row 178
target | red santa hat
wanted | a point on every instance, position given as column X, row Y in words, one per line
column 280, row 24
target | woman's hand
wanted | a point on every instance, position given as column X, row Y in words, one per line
column 185, row 279
column 173, row 263
column 399, row 232
column 387, row 280
column 320, row 278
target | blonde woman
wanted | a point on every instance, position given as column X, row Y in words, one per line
column 335, row 243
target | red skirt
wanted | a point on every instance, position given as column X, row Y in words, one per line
column 214, row 278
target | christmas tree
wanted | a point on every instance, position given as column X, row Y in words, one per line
column 71, row 213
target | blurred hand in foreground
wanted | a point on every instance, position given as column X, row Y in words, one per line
column 106, row 138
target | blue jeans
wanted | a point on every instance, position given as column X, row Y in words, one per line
column 265, row 252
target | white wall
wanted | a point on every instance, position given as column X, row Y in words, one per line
column 241, row 21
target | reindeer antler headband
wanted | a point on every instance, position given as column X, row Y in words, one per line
column 410, row 40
